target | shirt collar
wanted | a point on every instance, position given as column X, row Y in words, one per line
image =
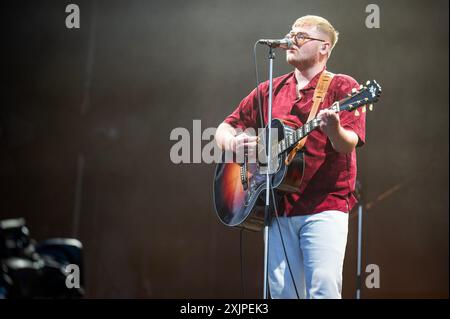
column 312, row 83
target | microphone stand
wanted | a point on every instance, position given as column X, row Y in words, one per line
column 268, row 174
column 359, row 254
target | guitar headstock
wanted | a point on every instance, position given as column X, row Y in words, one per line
column 366, row 95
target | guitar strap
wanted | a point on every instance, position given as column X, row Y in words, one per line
column 319, row 96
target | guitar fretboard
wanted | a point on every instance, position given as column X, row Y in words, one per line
column 293, row 136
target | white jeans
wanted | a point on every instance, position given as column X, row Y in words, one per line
column 315, row 245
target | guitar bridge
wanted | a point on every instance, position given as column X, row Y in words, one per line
column 243, row 171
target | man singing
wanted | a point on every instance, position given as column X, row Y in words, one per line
column 313, row 220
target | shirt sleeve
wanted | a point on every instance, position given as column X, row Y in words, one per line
column 354, row 121
column 246, row 114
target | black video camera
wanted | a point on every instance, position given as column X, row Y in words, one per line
column 48, row 269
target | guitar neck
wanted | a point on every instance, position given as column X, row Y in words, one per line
column 366, row 95
column 302, row 132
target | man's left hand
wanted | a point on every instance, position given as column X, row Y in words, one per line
column 329, row 122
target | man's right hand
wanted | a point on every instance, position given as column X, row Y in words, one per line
column 229, row 139
column 245, row 144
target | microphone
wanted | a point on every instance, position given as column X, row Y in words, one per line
column 277, row 43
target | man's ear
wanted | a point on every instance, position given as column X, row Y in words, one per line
column 325, row 46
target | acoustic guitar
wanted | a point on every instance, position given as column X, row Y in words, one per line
column 239, row 188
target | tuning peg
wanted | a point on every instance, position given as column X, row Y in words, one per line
column 363, row 109
column 368, row 82
column 356, row 113
column 370, row 107
column 361, row 87
column 353, row 90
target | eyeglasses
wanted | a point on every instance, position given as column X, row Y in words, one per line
column 300, row 38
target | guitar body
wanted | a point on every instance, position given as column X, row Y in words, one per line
column 241, row 206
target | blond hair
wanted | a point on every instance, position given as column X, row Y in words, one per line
column 321, row 24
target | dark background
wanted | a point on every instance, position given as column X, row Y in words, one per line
column 87, row 113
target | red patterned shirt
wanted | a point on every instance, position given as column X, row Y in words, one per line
column 329, row 176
